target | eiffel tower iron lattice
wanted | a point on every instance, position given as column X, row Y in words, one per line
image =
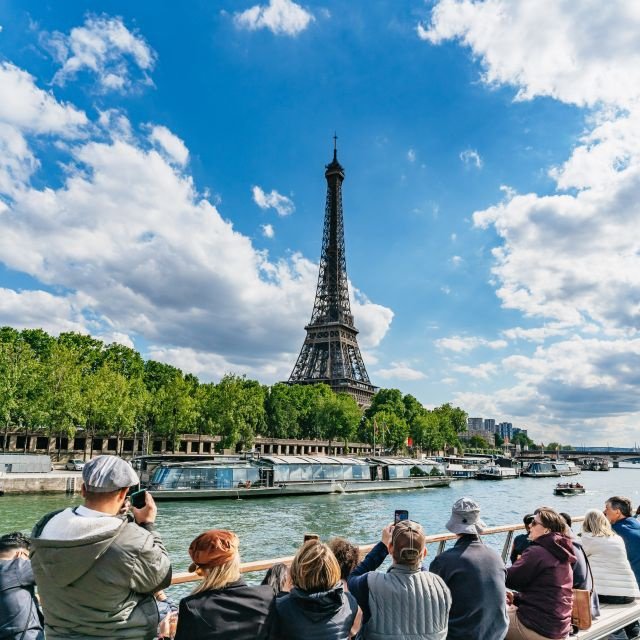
column 330, row 352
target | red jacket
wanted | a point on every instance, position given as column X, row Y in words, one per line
column 544, row 579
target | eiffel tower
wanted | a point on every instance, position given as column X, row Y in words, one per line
column 330, row 352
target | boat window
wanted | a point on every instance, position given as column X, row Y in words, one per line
column 318, row 472
column 360, row 472
column 281, row 473
column 347, row 472
column 393, row 471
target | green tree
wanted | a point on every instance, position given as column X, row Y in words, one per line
column 124, row 360
column 426, row 432
column 393, row 430
column 338, row 417
column 61, row 400
column 283, row 408
column 236, row 410
column 522, row 440
column 309, row 400
column 19, row 371
column 477, row 442
column 174, row 409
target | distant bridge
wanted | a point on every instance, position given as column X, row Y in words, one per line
column 615, row 454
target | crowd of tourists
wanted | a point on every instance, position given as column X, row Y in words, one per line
column 100, row 570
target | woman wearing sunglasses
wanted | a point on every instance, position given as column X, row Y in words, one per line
column 543, row 580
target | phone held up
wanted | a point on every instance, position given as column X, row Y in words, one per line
column 310, row 536
column 138, row 499
column 400, row 515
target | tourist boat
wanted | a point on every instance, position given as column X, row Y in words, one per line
column 566, row 468
column 544, row 469
column 494, row 472
column 461, row 468
column 568, row 489
column 274, row 475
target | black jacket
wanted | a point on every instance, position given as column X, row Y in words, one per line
column 475, row 575
column 327, row 615
column 237, row 612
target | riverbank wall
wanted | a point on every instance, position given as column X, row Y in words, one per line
column 51, row 482
column 85, row 446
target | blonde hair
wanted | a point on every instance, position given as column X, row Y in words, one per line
column 220, row 576
column 315, row 568
column 596, row 523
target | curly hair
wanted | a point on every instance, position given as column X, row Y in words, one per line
column 347, row 555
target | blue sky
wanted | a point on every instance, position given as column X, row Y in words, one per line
column 161, row 185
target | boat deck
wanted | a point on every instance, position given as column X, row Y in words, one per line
column 612, row 617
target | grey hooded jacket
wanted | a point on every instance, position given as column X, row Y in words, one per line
column 99, row 585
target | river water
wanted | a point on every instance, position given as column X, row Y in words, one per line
column 273, row 527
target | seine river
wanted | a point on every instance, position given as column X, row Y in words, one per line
column 270, row 528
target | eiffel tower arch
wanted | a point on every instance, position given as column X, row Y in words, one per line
column 330, row 351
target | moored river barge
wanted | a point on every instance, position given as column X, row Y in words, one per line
column 270, row 476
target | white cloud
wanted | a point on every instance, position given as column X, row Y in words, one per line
column 411, row 155
column 170, row 143
column 584, row 389
column 27, row 110
column 574, row 52
column 282, row 17
column 273, row 200
column 400, row 371
column 105, row 47
column 464, row 344
column 482, row 371
column 537, row 334
column 471, row 157
column 373, row 320
column 456, row 261
column 267, row 230
column 33, row 110
column 40, row 309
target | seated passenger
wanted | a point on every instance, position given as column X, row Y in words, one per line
column 317, row 607
column 609, row 563
column 20, row 617
column 582, row 577
column 475, row 575
column 543, row 579
column 222, row 606
column 521, row 541
column 278, row 578
column 404, row 602
column 347, row 555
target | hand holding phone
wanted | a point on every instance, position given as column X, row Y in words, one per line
column 138, row 499
column 400, row 515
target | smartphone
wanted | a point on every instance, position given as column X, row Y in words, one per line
column 400, row 514
column 138, row 499
column 311, row 536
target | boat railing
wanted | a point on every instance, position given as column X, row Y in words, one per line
column 439, row 539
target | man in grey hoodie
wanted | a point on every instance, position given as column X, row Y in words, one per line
column 97, row 571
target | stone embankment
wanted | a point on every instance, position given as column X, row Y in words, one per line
column 52, row 482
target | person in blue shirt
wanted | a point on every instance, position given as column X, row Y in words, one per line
column 618, row 512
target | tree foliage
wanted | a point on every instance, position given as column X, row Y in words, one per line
column 76, row 382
